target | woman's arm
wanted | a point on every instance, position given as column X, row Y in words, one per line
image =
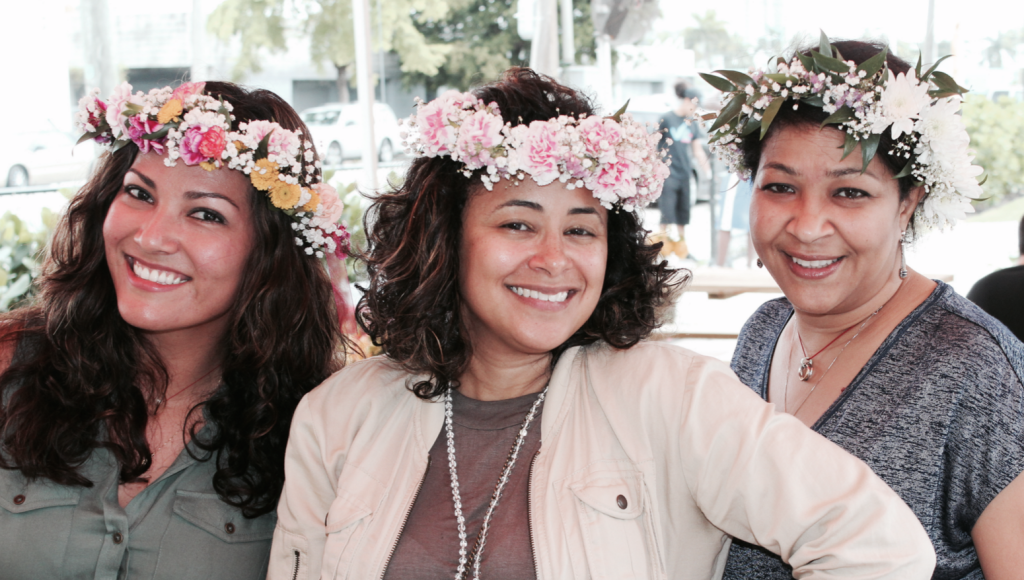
column 309, row 489
column 999, row 534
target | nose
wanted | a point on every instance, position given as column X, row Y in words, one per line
column 549, row 254
column 810, row 220
column 158, row 233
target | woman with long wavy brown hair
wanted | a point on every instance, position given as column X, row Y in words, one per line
column 181, row 314
column 518, row 425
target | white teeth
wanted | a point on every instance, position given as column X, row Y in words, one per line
column 560, row 297
column 813, row 264
column 159, row 276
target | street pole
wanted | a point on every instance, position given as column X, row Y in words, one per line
column 568, row 34
column 364, row 66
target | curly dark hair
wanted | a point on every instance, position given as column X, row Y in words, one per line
column 411, row 305
column 858, row 51
column 74, row 383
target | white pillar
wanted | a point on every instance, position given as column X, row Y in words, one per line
column 544, row 46
column 361, row 23
column 605, row 96
column 568, row 34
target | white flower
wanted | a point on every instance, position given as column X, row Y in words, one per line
column 902, row 101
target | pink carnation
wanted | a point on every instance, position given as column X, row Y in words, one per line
column 189, row 147
column 435, row 132
column 614, row 181
column 116, row 106
column 281, row 140
column 187, row 90
column 479, row 133
column 541, row 152
column 213, row 143
column 138, row 127
column 601, row 136
column 331, row 206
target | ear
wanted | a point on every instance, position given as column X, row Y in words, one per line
column 909, row 205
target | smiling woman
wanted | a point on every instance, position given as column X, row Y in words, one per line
column 517, row 426
column 146, row 395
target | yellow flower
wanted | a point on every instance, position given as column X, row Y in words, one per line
column 313, row 203
column 240, row 147
column 285, row 195
column 207, row 165
column 169, row 111
column 265, row 180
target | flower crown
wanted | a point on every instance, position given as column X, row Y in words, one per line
column 862, row 101
column 614, row 157
column 185, row 124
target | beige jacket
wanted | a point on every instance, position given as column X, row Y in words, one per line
column 696, row 455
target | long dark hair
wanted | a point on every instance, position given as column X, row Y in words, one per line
column 411, row 305
column 74, row 384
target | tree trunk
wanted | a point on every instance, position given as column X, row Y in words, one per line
column 342, row 83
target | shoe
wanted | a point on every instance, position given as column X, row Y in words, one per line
column 681, row 249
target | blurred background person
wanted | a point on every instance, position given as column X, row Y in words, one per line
column 734, row 217
column 1001, row 293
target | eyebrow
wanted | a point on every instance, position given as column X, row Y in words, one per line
column 537, row 207
column 144, row 179
column 209, row 194
column 832, row 173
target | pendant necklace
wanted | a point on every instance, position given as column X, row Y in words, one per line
column 157, row 403
column 806, row 370
column 473, row 560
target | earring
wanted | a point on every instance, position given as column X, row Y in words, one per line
column 760, row 264
column 903, row 254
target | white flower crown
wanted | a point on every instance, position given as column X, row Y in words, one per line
column 863, row 101
column 185, row 124
column 614, row 157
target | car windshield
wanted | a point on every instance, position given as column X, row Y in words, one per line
column 328, row 117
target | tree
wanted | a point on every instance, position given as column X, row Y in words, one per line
column 713, row 45
column 261, row 25
column 997, row 138
column 483, row 41
column 1004, row 42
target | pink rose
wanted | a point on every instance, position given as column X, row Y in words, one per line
column 213, row 143
column 189, row 147
column 479, row 133
column 187, row 90
column 116, row 106
column 331, row 206
column 138, row 127
column 541, row 152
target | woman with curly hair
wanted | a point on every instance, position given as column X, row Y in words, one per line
column 148, row 390
column 517, row 426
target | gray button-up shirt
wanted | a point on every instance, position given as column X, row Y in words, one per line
column 176, row 528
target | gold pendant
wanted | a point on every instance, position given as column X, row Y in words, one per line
column 806, row 370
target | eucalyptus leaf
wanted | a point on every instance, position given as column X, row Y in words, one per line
column 769, row 114
column 718, row 82
column 841, row 116
column 849, row 144
column 873, row 64
column 824, row 46
column 739, row 79
column 931, row 70
column 868, row 147
column 730, row 110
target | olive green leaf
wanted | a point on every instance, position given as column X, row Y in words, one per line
column 873, row 64
column 738, row 78
column 849, row 144
column 868, row 147
column 730, row 110
column 824, row 46
column 769, row 114
column 718, row 82
column 841, row 116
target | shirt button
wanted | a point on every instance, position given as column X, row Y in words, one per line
column 19, row 499
column 229, row 528
column 621, row 502
column 118, row 538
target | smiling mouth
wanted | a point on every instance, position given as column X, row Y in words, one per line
column 813, row 264
column 162, row 277
column 560, row 297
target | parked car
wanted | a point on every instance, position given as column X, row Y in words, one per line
column 41, row 157
column 338, row 131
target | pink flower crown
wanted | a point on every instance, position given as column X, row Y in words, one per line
column 614, row 157
column 185, row 124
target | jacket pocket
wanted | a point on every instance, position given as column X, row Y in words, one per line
column 35, row 520
column 611, row 508
column 358, row 497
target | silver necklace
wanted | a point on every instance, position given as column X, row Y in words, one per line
column 481, row 538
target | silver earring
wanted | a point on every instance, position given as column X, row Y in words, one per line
column 760, row 264
column 903, row 254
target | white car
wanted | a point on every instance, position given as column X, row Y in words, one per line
column 42, row 157
column 338, row 131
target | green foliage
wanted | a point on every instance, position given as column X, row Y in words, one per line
column 20, row 250
column 713, row 45
column 259, row 23
column 483, row 42
column 997, row 138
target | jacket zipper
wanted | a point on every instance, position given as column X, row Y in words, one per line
column 295, row 575
column 405, row 520
column 529, row 515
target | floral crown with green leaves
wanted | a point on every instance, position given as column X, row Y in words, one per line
column 863, row 101
column 184, row 123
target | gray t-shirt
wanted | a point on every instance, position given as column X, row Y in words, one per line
column 484, row 434
column 937, row 412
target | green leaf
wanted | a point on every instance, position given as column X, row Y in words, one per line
column 841, row 116
column 131, row 109
column 158, row 134
column 781, row 78
column 929, row 72
column 874, row 64
column 750, row 126
column 738, row 78
column 917, row 69
column 730, row 110
column 849, row 144
column 814, row 101
column 908, row 169
column 85, row 138
column 119, row 144
column 833, row 64
column 769, row 114
column 824, row 46
column 946, row 82
column 868, row 147
column 718, row 82
column 617, row 117
column 261, row 149
column 807, row 61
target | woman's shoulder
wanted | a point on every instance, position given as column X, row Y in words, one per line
column 368, row 381
column 656, row 368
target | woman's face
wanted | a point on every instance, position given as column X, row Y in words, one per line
column 828, row 233
column 177, row 240
column 532, row 263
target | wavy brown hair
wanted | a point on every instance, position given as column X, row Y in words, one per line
column 411, row 305
column 74, row 383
